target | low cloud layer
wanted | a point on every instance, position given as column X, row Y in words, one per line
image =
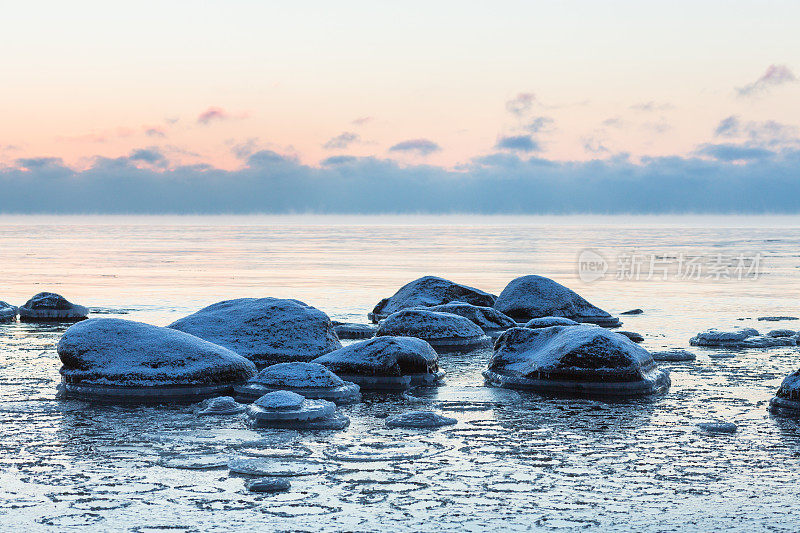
column 723, row 177
column 418, row 146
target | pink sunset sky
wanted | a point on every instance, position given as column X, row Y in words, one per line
column 435, row 83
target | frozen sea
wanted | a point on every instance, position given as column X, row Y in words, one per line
column 512, row 461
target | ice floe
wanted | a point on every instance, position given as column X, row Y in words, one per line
column 311, row 380
column 718, row 427
column 574, row 360
column 385, row 363
column 110, row 359
column 222, row 405
column 429, row 291
column 534, row 296
column 550, row 321
column 443, row 331
column 287, row 409
column 260, row 467
column 7, row 312
column 51, row 307
column 489, row 319
column 419, row 419
column 673, row 354
column 786, row 401
column 268, row 484
column 265, row 330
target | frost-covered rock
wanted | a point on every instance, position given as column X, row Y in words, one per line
column 632, row 312
column 51, row 307
column 575, row 360
column 489, row 319
column 265, row 330
column 532, row 296
column 385, row 363
column 287, row 409
column 109, row 359
column 549, row 322
column 419, row 419
column 786, row 401
column 782, row 333
column 268, row 484
column 310, row 380
column 632, row 335
column 347, row 330
column 763, row 341
column 724, row 338
column 443, row 331
column 429, row 291
column 7, row 312
column 718, row 427
column 673, row 354
column 223, row 405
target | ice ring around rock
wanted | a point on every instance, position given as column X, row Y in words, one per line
column 286, row 409
column 222, row 405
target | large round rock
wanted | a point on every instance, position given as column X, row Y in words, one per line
column 385, row 363
column 7, row 312
column 51, row 307
column 530, row 297
column 427, row 292
column 574, row 360
column 489, row 319
column 786, row 401
column 443, row 331
column 265, row 330
column 108, row 359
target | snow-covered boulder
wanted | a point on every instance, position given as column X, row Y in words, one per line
column 489, row 319
column 724, row 338
column 574, row 360
column 533, row 296
column 549, row 322
column 287, row 409
column 109, row 359
column 782, row 333
column 310, row 380
column 222, row 405
column 51, row 307
column 7, row 312
column 673, row 354
column 427, row 292
column 348, row 330
column 443, row 331
column 786, row 401
column 385, row 363
column 419, row 419
column 268, row 484
column 264, row 330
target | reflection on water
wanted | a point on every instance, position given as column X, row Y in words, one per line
column 522, row 462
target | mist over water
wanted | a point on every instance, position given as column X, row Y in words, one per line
column 545, row 463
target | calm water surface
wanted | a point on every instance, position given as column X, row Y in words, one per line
column 515, row 462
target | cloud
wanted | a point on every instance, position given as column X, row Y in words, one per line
column 150, row 155
column 338, row 160
column 217, row 114
column 539, row 124
column 769, row 133
column 614, row 122
column 518, row 143
column 728, row 127
column 594, row 144
column 342, row 141
column 155, row 131
column 651, row 106
column 360, row 121
column 734, row 152
column 506, row 183
column 421, row 147
column 521, row 104
column 774, row 76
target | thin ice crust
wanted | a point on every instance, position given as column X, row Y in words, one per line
column 530, row 297
column 141, row 395
column 581, row 360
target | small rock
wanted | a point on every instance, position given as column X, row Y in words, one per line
column 674, row 354
column 632, row 335
column 776, row 318
column 782, row 333
column 718, row 427
column 419, row 419
column 223, row 405
column 268, row 484
column 632, row 312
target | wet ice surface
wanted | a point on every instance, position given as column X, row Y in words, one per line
column 513, row 461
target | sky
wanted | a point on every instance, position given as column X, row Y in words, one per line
column 503, row 106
